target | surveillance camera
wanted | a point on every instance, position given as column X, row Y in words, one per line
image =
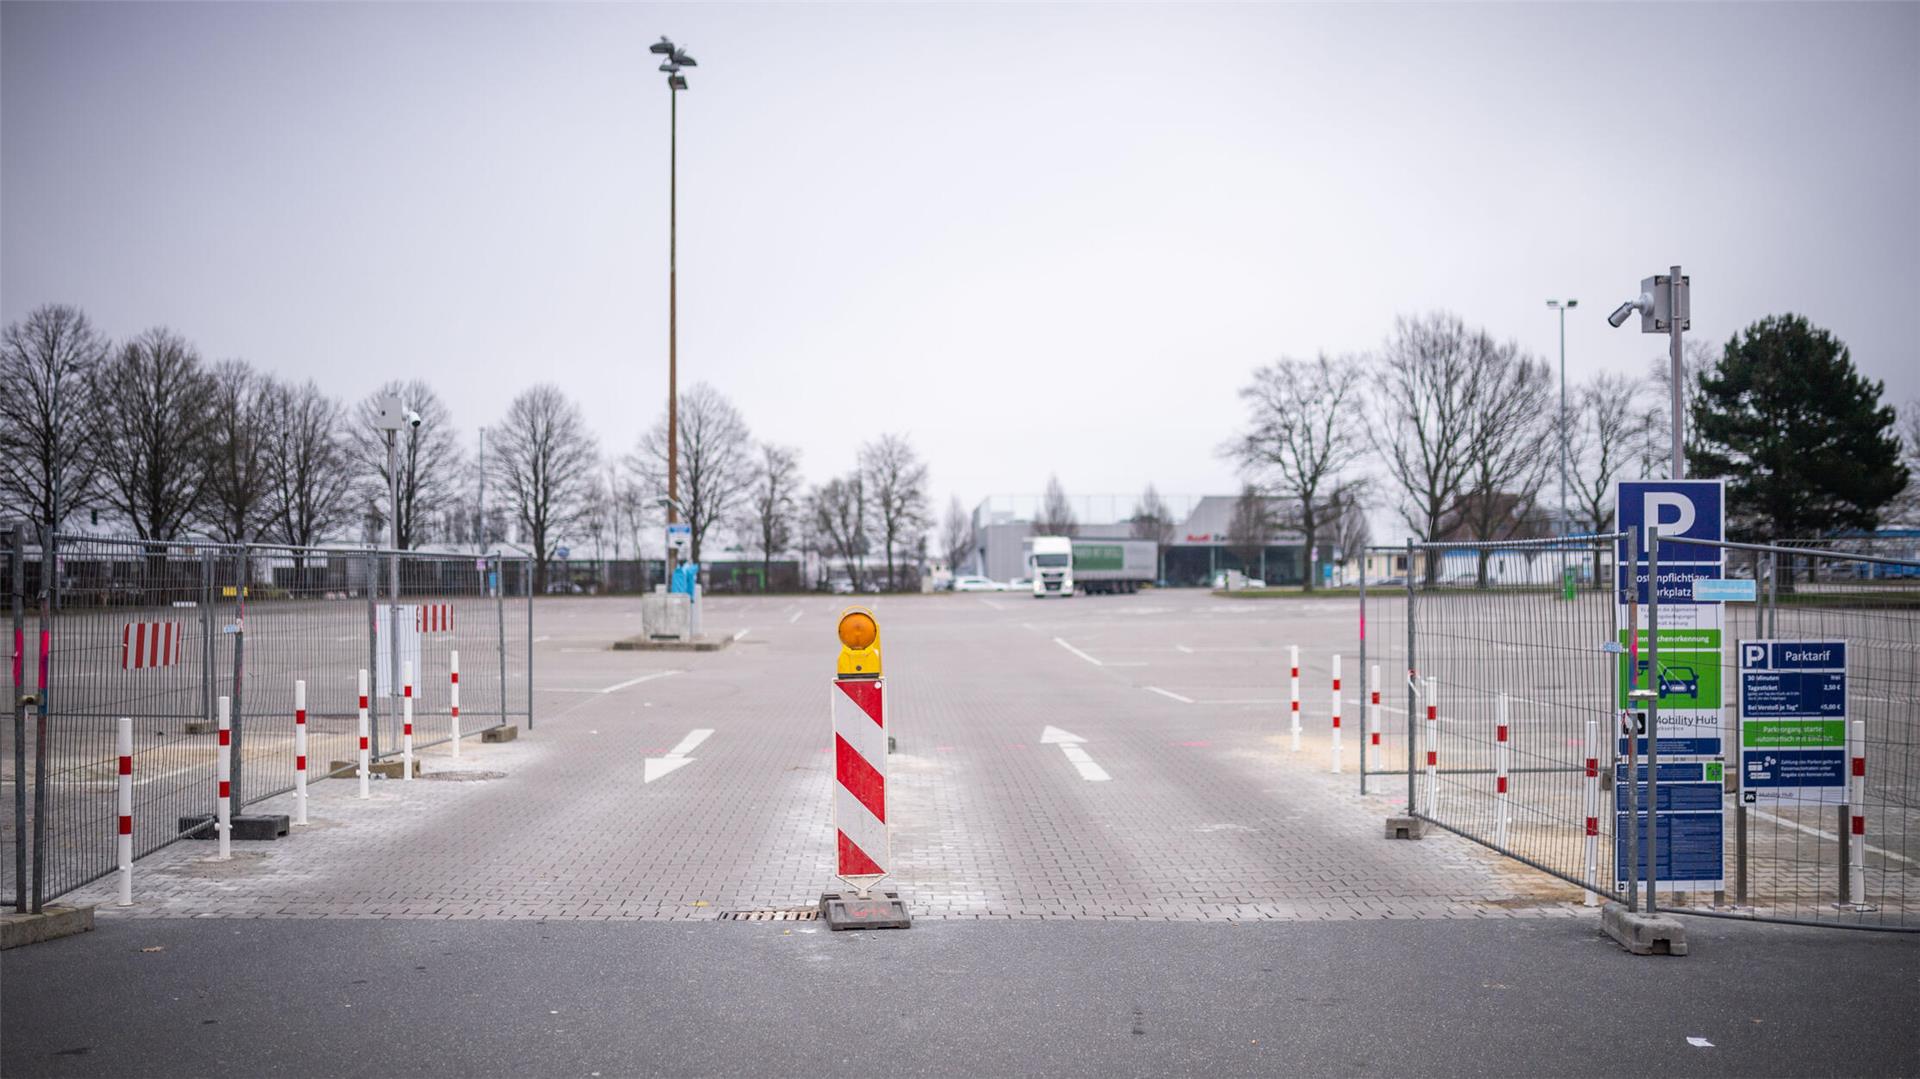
column 413, row 418
column 1620, row 314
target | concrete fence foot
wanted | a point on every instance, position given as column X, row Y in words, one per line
column 1405, row 827
column 1643, row 934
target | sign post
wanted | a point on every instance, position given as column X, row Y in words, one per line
column 863, row 851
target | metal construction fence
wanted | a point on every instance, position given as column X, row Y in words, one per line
column 158, row 632
column 1504, row 661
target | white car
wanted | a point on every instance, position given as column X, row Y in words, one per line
column 970, row 583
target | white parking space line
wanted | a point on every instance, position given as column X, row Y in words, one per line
column 795, row 618
column 1183, row 648
column 743, row 633
column 1077, row 652
column 1170, row 694
column 617, row 687
column 1828, row 836
column 990, row 603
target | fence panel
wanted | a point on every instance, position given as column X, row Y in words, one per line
column 158, row 631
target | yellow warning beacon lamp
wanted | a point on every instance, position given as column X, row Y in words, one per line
column 859, row 644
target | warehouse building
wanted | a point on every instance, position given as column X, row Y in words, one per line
column 1200, row 545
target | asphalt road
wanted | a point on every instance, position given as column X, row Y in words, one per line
column 1525, row 997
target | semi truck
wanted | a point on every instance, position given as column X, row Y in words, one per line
column 1062, row 566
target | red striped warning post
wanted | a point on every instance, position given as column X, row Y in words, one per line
column 860, row 780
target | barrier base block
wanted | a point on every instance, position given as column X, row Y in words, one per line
column 391, row 768
column 879, row 910
column 1405, row 827
column 1643, row 934
column 500, row 734
column 250, row 827
column 18, row 930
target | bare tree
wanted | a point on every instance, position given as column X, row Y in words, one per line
column 150, row 443
column 771, row 504
column 1056, row 513
column 1905, row 509
column 716, row 460
column 1347, row 518
column 48, row 420
column 897, row 483
column 430, row 462
column 544, row 468
column 1653, row 437
column 1301, row 433
column 1423, row 419
column 1153, row 519
column 309, row 466
column 631, row 508
column 1602, row 446
column 1251, row 528
column 1508, row 446
column 838, row 509
column 239, row 483
column 956, row 534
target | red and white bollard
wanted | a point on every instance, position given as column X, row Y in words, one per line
column 1593, row 812
column 1432, row 730
column 1374, row 750
column 406, row 721
column 1293, row 693
column 453, row 699
column 124, row 736
column 299, row 751
column 1857, row 815
column 1336, row 713
column 223, row 806
column 1500, row 771
column 366, row 764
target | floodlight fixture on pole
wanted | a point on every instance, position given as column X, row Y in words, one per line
column 1563, row 308
column 675, row 58
column 1665, row 304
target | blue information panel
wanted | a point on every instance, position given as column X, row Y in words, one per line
column 1689, row 852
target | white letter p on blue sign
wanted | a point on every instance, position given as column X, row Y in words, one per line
column 1677, row 523
column 1753, row 655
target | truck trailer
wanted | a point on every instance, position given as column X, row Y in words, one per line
column 1061, row 566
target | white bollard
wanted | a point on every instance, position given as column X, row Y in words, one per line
column 1857, row 814
column 453, row 699
column 1433, row 747
column 406, row 721
column 1374, row 750
column 1593, row 812
column 124, row 736
column 1500, row 770
column 365, row 763
column 299, row 751
column 1336, row 714
column 223, row 807
column 1294, row 694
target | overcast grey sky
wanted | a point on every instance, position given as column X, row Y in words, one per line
column 1036, row 239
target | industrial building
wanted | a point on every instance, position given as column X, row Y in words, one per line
column 1200, row 544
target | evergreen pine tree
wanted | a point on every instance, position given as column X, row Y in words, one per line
column 1802, row 438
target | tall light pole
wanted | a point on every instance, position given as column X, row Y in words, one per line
column 675, row 59
column 1563, row 308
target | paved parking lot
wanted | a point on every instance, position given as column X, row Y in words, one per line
column 1180, row 799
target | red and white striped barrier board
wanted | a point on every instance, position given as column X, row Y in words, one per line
column 365, row 763
column 406, row 722
column 1293, row 693
column 860, row 780
column 150, row 644
column 1500, row 771
column 1432, row 726
column 433, row 618
column 453, row 698
column 1336, row 713
column 299, row 751
column 1374, row 751
column 1593, row 812
column 223, row 806
column 124, row 736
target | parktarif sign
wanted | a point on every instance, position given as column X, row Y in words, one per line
column 1793, row 721
column 1687, row 675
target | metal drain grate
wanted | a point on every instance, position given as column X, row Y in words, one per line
column 793, row 914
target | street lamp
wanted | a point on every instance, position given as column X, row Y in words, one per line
column 675, row 58
column 1665, row 304
column 1563, row 308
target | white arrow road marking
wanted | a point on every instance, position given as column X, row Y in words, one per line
column 1077, row 652
column 656, row 767
column 618, row 686
column 1170, row 694
column 1069, row 744
column 1699, row 1043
